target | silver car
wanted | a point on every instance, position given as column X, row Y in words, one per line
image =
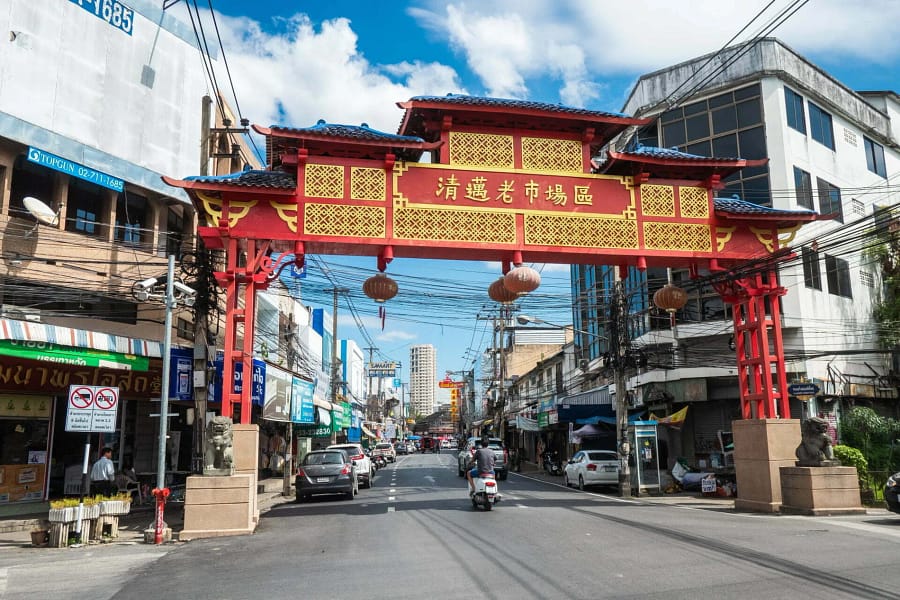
column 326, row 472
column 592, row 467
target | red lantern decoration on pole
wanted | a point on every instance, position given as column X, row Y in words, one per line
column 498, row 292
column 522, row 280
column 380, row 287
column 671, row 299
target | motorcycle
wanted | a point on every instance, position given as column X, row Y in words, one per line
column 379, row 461
column 552, row 464
column 487, row 492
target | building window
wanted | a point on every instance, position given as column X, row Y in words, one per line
column 85, row 201
column 820, row 126
column 171, row 240
column 812, row 275
column 796, row 118
column 725, row 125
column 29, row 179
column 184, row 329
column 131, row 216
column 875, row 157
column 803, row 186
column 830, row 200
column 838, row 273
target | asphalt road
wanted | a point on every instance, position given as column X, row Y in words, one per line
column 416, row 535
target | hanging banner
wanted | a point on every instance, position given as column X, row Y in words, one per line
column 346, row 417
column 277, row 406
column 259, row 380
column 181, row 379
column 302, row 407
column 337, row 417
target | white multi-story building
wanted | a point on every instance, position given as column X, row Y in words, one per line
column 94, row 108
column 423, row 379
column 831, row 149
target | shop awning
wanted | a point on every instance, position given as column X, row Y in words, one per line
column 11, row 329
column 526, row 424
column 368, row 432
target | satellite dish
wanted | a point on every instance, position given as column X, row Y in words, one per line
column 40, row 211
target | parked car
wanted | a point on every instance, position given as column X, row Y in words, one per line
column 401, row 448
column 326, row 472
column 892, row 493
column 454, row 444
column 592, row 467
column 365, row 471
column 445, row 444
column 385, row 449
column 501, row 456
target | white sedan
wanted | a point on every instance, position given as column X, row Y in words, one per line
column 592, row 467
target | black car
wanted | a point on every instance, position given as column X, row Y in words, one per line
column 326, row 472
column 892, row 493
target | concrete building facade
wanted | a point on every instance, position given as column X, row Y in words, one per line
column 423, row 379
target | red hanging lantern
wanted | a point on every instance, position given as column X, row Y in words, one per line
column 670, row 298
column 522, row 280
column 500, row 293
column 380, row 287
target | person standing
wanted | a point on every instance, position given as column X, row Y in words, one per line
column 103, row 474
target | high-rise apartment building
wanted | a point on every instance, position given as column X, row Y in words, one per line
column 423, row 379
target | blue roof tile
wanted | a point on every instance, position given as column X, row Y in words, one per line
column 480, row 101
column 742, row 207
column 251, row 178
column 671, row 153
column 352, row 132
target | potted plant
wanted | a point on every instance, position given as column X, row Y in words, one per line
column 63, row 510
column 117, row 504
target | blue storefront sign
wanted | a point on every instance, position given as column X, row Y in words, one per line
column 58, row 163
column 257, row 393
column 181, row 367
column 302, row 408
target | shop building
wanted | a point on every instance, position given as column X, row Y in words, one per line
column 88, row 124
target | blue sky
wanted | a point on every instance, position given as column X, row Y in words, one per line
column 294, row 62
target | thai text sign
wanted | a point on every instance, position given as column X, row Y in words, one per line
column 302, row 408
column 92, row 408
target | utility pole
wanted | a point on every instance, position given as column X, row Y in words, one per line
column 620, row 341
column 334, row 346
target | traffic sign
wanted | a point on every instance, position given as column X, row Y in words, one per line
column 803, row 389
column 92, row 408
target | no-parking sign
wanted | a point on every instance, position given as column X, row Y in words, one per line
column 92, row 408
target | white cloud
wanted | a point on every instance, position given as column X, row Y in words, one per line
column 309, row 71
column 510, row 43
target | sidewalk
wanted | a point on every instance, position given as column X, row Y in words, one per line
column 688, row 499
column 16, row 532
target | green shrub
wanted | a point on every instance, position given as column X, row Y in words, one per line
column 851, row 457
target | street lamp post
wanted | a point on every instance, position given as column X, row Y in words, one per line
column 144, row 291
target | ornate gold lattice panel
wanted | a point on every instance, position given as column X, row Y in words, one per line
column 367, row 184
column 324, row 181
column 542, row 154
column 658, row 200
column 582, row 232
column 481, row 150
column 454, row 226
column 694, row 202
column 344, row 221
column 687, row 237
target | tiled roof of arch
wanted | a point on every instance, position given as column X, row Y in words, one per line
column 252, row 178
column 482, row 101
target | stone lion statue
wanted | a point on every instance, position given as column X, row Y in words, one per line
column 815, row 445
column 219, row 458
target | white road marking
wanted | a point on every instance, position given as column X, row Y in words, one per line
column 521, row 506
column 3, row 577
column 392, row 490
column 391, row 509
column 391, row 498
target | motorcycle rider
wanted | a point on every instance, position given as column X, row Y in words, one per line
column 484, row 463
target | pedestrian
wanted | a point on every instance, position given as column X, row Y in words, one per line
column 103, row 474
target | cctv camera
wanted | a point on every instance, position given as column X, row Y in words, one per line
column 146, row 284
column 187, row 291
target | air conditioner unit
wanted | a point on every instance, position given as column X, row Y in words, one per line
column 20, row 313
